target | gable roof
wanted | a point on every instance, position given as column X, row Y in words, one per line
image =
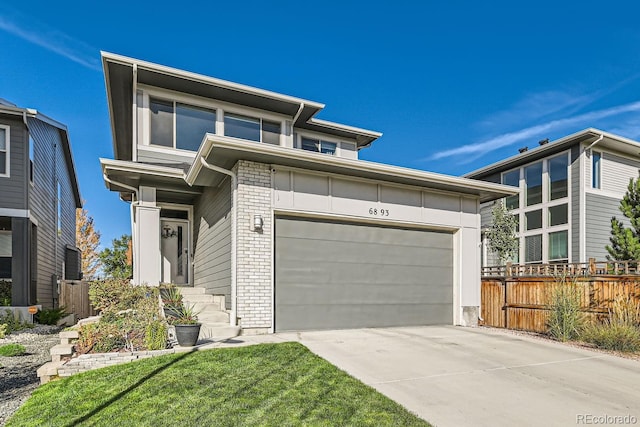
column 9, row 108
column 119, row 72
column 588, row 136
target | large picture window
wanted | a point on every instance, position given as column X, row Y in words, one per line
column 4, row 150
column 191, row 124
column 512, row 178
column 558, row 246
column 533, row 248
column 242, row 127
column 533, row 179
column 558, row 185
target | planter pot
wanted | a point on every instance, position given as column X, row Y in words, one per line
column 187, row 335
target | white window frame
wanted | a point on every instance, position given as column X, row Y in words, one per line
column 319, row 136
column 220, row 107
column 546, row 229
column 7, row 150
column 259, row 119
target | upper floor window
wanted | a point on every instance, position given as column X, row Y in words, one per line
column 512, row 178
column 178, row 125
column 596, row 169
column 32, row 157
column 533, row 180
column 318, row 145
column 252, row 129
column 558, row 184
column 4, row 150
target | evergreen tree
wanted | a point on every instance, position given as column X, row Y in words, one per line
column 87, row 240
column 116, row 260
column 502, row 234
column 625, row 241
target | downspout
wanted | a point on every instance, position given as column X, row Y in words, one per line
column 234, row 227
column 583, row 202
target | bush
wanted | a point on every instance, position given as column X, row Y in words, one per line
column 3, row 330
column 11, row 350
column 50, row 316
column 11, row 323
column 5, row 293
column 130, row 319
column 565, row 318
column 612, row 336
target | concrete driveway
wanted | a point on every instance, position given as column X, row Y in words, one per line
column 453, row 376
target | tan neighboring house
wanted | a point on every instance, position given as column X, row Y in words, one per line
column 244, row 193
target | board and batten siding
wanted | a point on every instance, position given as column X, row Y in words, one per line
column 13, row 189
column 212, row 241
column 50, row 167
column 599, row 211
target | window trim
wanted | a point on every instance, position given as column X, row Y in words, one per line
column 596, row 173
column 7, row 150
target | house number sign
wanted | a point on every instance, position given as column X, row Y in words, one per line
column 378, row 212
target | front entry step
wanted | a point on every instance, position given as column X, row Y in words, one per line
column 211, row 313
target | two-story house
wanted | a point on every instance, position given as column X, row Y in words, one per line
column 38, row 199
column 244, row 193
column 569, row 191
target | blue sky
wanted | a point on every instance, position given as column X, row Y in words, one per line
column 452, row 85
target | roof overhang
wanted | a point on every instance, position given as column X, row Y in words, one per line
column 126, row 178
column 586, row 136
column 225, row 152
column 119, row 81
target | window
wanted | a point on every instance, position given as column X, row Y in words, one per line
column 242, row 127
column 558, row 185
column 512, row 178
column 59, row 202
column 596, row 169
column 533, row 179
column 271, row 132
column 4, row 150
column 319, row 146
column 191, row 123
column 533, row 219
column 31, row 157
column 558, row 246
column 558, row 215
column 533, row 248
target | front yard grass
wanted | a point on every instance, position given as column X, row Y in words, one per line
column 267, row 384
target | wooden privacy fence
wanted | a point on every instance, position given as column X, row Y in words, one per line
column 523, row 302
column 74, row 296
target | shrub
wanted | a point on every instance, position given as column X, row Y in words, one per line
column 5, row 293
column 613, row 336
column 50, row 316
column 155, row 337
column 3, row 330
column 11, row 350
column 12, row 323
column 565, row 318
column 100, row 337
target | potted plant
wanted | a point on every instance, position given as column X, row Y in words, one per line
column 171, row 300
column 185, row 320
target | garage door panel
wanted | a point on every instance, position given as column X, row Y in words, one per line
column 307, row 250
column 340, row 275
column 308, row 317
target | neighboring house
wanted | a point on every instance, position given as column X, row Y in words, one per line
column 569, row 190
column 243, row 192
column 38, row 199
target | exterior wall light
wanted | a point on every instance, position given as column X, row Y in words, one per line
column 258, row 223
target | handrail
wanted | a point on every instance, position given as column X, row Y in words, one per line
column 590, row 268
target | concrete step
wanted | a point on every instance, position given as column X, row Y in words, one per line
column 213, row 317
column 193, row 298
column 62, row 350
column 67, row 336
column 218, row 331
column 191, row 290
column 48, row 370
column 220, row 300
column 205, row 307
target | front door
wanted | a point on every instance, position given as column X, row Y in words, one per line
column 174, row 235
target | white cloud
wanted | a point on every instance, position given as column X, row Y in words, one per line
column 509, row 138
column 51, row 39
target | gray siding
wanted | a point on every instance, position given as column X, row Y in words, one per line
column 13, row 189
column 617, row 171
column 212, row 241
column 599, row 210
column 574, row 171
column 50, row 165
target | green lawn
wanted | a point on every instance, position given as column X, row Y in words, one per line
column 270, row 384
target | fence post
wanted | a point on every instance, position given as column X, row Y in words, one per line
column 592, row 266
column 505, row 305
